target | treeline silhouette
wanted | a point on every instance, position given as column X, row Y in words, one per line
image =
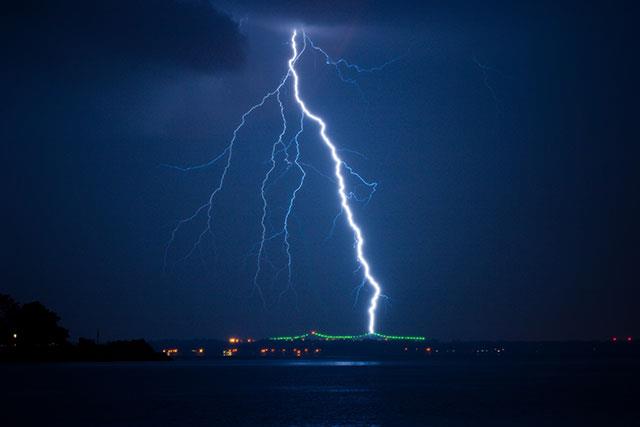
column 30, row 332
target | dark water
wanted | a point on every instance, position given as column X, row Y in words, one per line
column 495, row 392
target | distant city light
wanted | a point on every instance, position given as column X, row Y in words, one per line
column 170, row 351
column 229, row 352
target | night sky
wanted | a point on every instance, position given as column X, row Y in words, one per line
column 504, row 140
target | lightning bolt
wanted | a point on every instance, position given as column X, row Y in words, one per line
column 294, row 162
column 344, row 199
column 227, row 154
column 303, row 175
column 341, row 65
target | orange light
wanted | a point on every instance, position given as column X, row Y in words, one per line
column 428, row 349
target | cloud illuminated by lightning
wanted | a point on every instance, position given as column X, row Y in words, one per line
column 293, row 162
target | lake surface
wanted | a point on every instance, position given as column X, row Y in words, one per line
column 491, row 392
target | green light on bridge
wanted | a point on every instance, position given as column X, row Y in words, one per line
column 349, row 337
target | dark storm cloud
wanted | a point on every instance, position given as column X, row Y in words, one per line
column 374, row 15
column 333, row 12
column 76, row 33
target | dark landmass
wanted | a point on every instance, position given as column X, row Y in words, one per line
column 31, row 333
column 368, row 349
column 84, row 351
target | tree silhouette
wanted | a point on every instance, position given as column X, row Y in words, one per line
column 29, row 325
column 38, row 326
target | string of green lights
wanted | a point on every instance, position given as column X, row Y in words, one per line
column 400, row 337
column 291, row 338
column 348, row 337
